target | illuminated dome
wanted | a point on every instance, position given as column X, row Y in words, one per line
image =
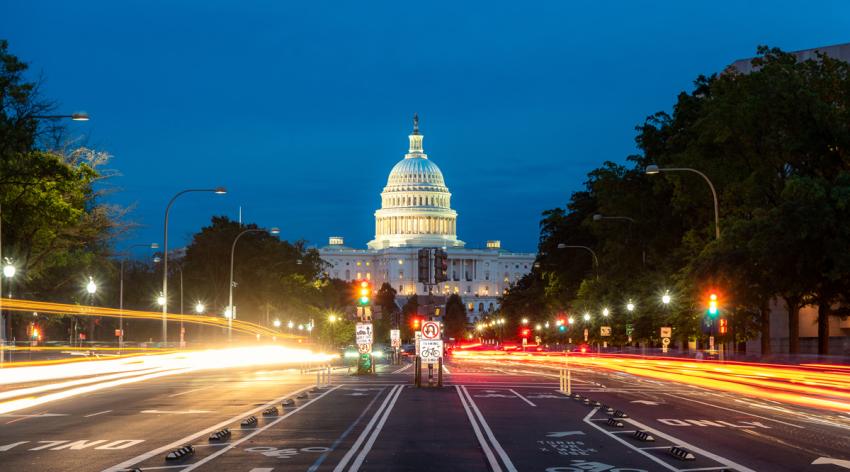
column 415, row 204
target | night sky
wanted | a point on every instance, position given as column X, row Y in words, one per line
column 302, row 108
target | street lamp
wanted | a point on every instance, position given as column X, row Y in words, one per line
column 160, row 300
column 654, row 169
column 332, row 318
column 665, row 299
column 599, row 217
column 199, row 308
column 605, row 312
column 9, row 270
column 525, row 321
column 587, row 317
column 232, row 312
column 595, row 259
column 121, row 291
column 290, row 324
column 571, row 320
column 217, row 191
column 276, row 323
column 80, row 116
column 630, row 306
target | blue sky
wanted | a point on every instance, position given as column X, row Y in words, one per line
column 301, row 108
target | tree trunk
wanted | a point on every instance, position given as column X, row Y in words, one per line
column 764, row 312
column 793, row 305
column 823, row 328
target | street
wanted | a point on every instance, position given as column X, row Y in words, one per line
column 501, row 417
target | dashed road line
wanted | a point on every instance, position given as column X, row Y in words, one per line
column 190, row 391
column 98, row 413
column 233, row 444
column 736, row 411
column 188, row 439
column 398, row 371
column 526, row 400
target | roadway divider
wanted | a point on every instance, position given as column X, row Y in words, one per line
column 270, row 411
column 681, row 453
column 565, row 381
column 643, row 436
column 249, row 421
column 220, row 434
column 180, row 453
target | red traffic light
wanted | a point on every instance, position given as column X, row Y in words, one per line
column 415, row 323
column 526, row 332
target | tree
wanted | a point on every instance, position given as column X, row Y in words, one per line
column 456, row 323
column 408, row 312
column 388, row 319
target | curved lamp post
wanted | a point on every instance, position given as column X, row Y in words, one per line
column 217, row 191
column 654, row 169
column 592, row 253
column 230, row 314
column 124, row 256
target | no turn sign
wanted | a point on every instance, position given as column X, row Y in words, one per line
column 431, row 330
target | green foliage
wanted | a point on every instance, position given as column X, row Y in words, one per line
column 455, row 320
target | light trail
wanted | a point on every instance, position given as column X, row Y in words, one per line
column 111, row 373
column 239, row 326
column 813, row 385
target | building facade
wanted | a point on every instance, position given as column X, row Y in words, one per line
column 416, row 213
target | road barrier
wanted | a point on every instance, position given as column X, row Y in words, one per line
column 180, row 453
column 220, row 434
column 288, row 403
column 249, row 421
column 681, row 453
column 643, row 436
column 620, row 414
column 323, row 376
column 565, row 381
column 608, row 409
column 612, row 422
column 270, row 411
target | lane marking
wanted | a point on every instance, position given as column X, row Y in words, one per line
column 233, row 444
column 262, row 469
column 348, row 455
column 402, row 369
column 589, row 421
column 494, row 464
column 175, row 412
column 498, row 447
column 526, row 400
column 190, row 391
column 98, row 413
column 736, row 411
column 188, row 439
column 691, row 447
column 344, row 434
column 446, row 369
column 355, row 466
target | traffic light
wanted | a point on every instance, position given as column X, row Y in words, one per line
column 712, row 305
column 441, row 266
column 723, row 325
column 424, row 266
column 415, row 323
column 364, row 293
column 525, row 332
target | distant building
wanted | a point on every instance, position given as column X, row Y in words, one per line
column 839, row 330
column 416, row 213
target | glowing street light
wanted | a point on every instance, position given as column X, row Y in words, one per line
column 571, row 320
column 630, row 306
column 91, row 287
column 276, row 323
column 537, row 327
column 290, row 325
column 665, row 299
column 9, row 270
column 228, row 314
column 605, row 312
column 587, row 317
column 525, row 321
column 332, row 318
column 301, row 327
column 160, row 300
column 199, row 308
column 273, row 230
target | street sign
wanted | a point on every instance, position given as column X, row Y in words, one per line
column 629, row 329
column 585, row 334
column 363, row 333
column 364, row 348
column 605, row 331
column 430, row 330
column 117, row 333
column 430, row 350
column 666, row 332
column 665, row 341
column 395, row 338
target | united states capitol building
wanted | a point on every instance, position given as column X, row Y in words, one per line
column 416, row 213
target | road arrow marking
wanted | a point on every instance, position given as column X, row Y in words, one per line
column 645, row 402
column 831, row 461
column 561, row 434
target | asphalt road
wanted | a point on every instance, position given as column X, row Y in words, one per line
column 488, row 416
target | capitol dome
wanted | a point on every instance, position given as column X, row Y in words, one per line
column 415, row 204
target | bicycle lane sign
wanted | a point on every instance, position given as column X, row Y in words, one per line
column 430, row 350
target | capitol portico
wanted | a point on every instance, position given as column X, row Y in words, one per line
column 415, row 213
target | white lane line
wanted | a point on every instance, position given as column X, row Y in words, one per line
column 233, row 444
column 180, row 442
column 727, row 462
column 734, row 410
column 494, row 464
column 262, row 469
column 526, row 400
column 589, row 421
column 498, row 447
column 347, row 457
column 402, row 369
column 446, row 369
column 98, row 413
column 190, row 391
column 355, row 466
